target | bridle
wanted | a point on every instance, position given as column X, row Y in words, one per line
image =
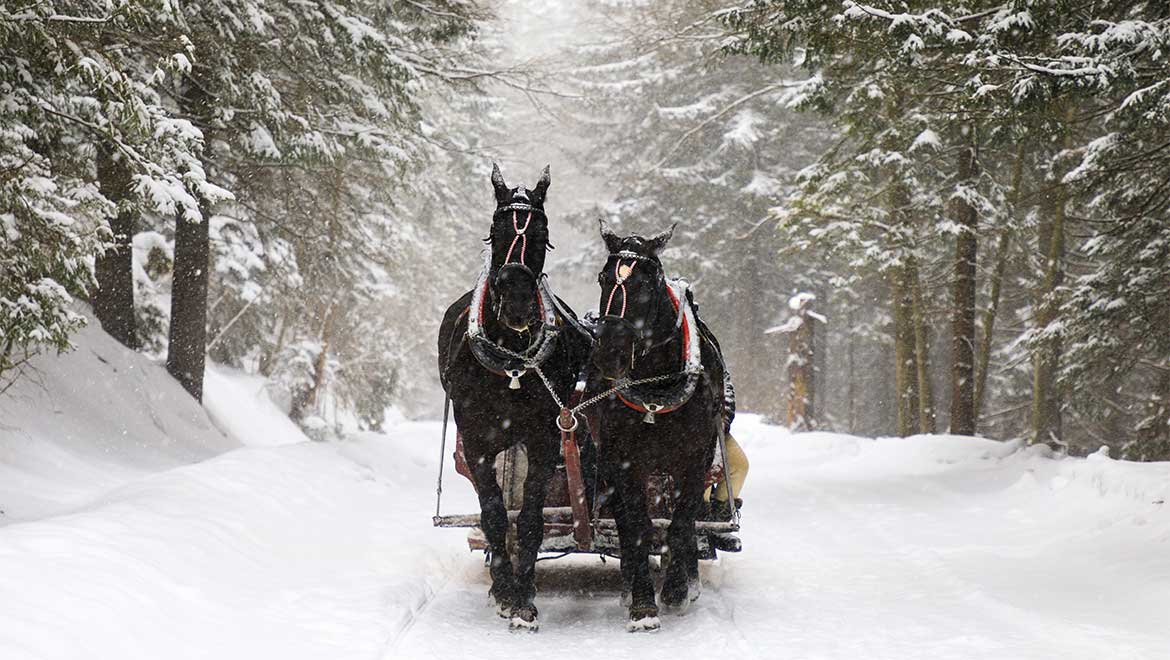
column 628, row 390
column 519, row 237
column 622, row 272
column 492, row 356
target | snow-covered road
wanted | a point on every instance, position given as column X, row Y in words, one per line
column 928, row 547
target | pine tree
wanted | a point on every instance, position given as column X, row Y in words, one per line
column 75, row 106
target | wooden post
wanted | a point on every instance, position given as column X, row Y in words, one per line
column 801, row 364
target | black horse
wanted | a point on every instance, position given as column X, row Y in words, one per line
column 664, row 419
column 494, row 344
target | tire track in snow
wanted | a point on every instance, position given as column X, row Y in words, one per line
column 419, row 611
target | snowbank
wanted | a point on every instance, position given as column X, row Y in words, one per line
column 90, row 420
column 239, row 404
column 296, row 552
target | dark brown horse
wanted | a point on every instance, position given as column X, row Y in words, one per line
column 665, row 418
column 494, row 343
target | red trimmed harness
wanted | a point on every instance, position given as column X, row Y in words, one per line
column 479, row 314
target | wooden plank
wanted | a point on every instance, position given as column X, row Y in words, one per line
column 564, row 515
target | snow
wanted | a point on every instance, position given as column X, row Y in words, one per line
column 239, row 404
column 927, row 139
column 799, row 300
column 137, row 530
column 90, row 420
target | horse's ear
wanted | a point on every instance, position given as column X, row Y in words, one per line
column 613, row 242
column 541, row 189
column 498, row 183
column 657, row 242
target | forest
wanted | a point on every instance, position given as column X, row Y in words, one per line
column 976, row 192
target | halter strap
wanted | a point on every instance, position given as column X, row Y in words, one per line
column 521, row 236
column 620, row 283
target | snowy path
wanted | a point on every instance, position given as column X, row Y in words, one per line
column 931, row 548
column 855, row 549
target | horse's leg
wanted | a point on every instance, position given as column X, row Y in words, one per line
column 493, row 519
column 616, row 507
column 530, row 530
column 633, row 523
column 680, row 538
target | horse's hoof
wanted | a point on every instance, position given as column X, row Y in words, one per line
column 694, row 589
column 675, row 597
column 524, row 619
column 726, row 542
column 503, row 605
column 645, row 624
column 643, row 619
column 678, row 607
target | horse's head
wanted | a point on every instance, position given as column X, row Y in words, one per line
column 633, row 292
column 519, row 239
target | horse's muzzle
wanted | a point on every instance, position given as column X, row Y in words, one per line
column 614, row 349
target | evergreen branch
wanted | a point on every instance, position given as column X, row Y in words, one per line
column 133, row 155
column 499, row 75
column 731, row 106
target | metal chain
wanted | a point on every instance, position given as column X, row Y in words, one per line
column 593, row 400
column 548, row 385
column 617, row 388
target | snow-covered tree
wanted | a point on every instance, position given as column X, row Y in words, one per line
column 683, row 134
column 75, row 119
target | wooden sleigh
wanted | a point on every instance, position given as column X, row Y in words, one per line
column 576, row 519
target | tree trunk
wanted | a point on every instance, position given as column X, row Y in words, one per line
column 820, row 344
column 186, row 349
column 983, row 364
column 905, row 348
column 186, row 353
column 1002, row 250
column 963, row 310
column 269, row 356
column 323, row 356
column 113, row 299
column 926, row 414
column 1047, row 420
column 905, row 354
column 1046, row 401
column 851, row 384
